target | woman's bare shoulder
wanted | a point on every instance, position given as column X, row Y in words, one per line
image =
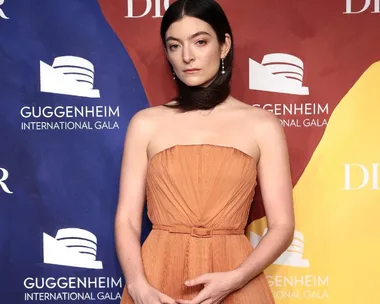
column 149, row 119
column 258, row 119
column 258, row 114
column 152, row 113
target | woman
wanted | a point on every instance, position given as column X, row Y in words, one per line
column 197, row 159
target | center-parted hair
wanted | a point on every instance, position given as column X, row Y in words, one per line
column 196, row 97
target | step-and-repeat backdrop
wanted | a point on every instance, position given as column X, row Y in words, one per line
column 73, row 73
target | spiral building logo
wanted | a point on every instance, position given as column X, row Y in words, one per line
column 69, row 75
column 71, row 247
column 2, row 14
column 278, row 72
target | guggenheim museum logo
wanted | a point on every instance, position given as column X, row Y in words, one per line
column 279, row 73
column 2, row 14
column 69, row 75
column 71, row 247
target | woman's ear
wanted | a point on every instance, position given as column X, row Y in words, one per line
column 226, row 46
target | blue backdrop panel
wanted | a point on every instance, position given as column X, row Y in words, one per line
column 62, row 150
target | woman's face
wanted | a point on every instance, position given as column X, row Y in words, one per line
column 194, row 52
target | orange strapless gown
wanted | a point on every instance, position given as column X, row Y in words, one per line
column 199, row 197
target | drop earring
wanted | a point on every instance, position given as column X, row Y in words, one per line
column 173, row 75
column 223, row 71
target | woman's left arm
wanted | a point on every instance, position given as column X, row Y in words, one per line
column 276, row 188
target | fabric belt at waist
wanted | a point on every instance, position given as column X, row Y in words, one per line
column 198, row 231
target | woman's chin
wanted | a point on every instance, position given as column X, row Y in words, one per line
column 197, row 82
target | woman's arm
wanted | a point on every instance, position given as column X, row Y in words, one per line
column 129, row 211
column 276, row 189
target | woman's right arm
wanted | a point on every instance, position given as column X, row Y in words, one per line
column 130, row 206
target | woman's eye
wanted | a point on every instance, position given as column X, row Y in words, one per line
column 202, row 42
column 173, row 47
